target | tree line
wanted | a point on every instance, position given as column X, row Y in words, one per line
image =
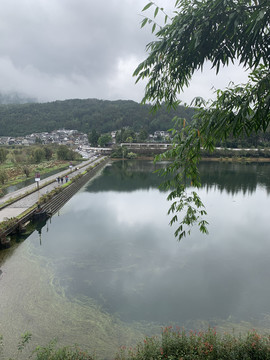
column 103, row 116
column 85, row 115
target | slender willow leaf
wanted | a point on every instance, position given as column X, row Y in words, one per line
column 148, row 6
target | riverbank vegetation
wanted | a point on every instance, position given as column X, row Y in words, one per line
column 172, row 344
column 252, row 154
column 49, row 352
column 218, row 154
column 18, row 163
column 178, row 344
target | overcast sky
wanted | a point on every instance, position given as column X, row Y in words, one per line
column 63, row 49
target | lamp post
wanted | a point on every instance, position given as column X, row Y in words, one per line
column 37, row 180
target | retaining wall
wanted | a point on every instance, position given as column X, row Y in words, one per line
column 54, row 204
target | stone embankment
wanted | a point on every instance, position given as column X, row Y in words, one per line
column 42, row 204
column 51, row 206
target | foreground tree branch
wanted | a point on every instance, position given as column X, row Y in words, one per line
column 222, row 32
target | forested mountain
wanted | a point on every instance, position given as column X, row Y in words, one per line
column 85, row 115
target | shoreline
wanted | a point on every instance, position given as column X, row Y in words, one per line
column 212, row 159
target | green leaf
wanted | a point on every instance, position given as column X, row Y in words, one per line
column 148, row 6
column 156, row 11
column 144, row 22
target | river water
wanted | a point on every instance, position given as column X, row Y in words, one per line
column 106, row 270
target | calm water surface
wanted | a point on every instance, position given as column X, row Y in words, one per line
column 110, row 262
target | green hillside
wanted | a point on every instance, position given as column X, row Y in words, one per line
column 84, row 115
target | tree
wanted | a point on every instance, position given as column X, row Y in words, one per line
column 64, row 153
column 222, row 32
column 26, row 171
column 120, row 152
column 129, row 139
column 143, row 135
column 48, row 153
column 3, row 155
column 104, row 140
column 93, row 137
column 125, row 135
column 131, row 155
column 3, row 176
column 38, row 155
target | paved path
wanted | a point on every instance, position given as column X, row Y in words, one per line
column 25, row 203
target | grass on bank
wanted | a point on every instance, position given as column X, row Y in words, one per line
column 15, row 175
column 173, row 344
column 18, row 163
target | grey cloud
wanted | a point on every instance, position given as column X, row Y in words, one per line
column 56, row 49
column 69, row 36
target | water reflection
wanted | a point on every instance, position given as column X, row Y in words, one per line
column 128, row 176
column 113, row 244
column 229, row 177
column 235, row 177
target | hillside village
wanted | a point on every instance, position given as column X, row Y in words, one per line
column 64, row 137
column 60, row 137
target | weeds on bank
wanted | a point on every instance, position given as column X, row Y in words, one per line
column 24, row 340
column 48, row 352
column 180, row 345
column 174, row 344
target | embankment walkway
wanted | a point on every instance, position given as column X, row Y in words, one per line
column 28, row 200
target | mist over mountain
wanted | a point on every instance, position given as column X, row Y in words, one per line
column 15, row 98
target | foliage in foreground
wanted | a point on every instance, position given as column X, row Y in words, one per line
column 173, row 344
column 49, row 352
column 180, row 345
column 218, row 32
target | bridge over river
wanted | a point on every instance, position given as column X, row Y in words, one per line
column 139, row 148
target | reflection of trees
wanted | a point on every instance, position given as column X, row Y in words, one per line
column 140, row 174
column 235, row 177
column 127, row 176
